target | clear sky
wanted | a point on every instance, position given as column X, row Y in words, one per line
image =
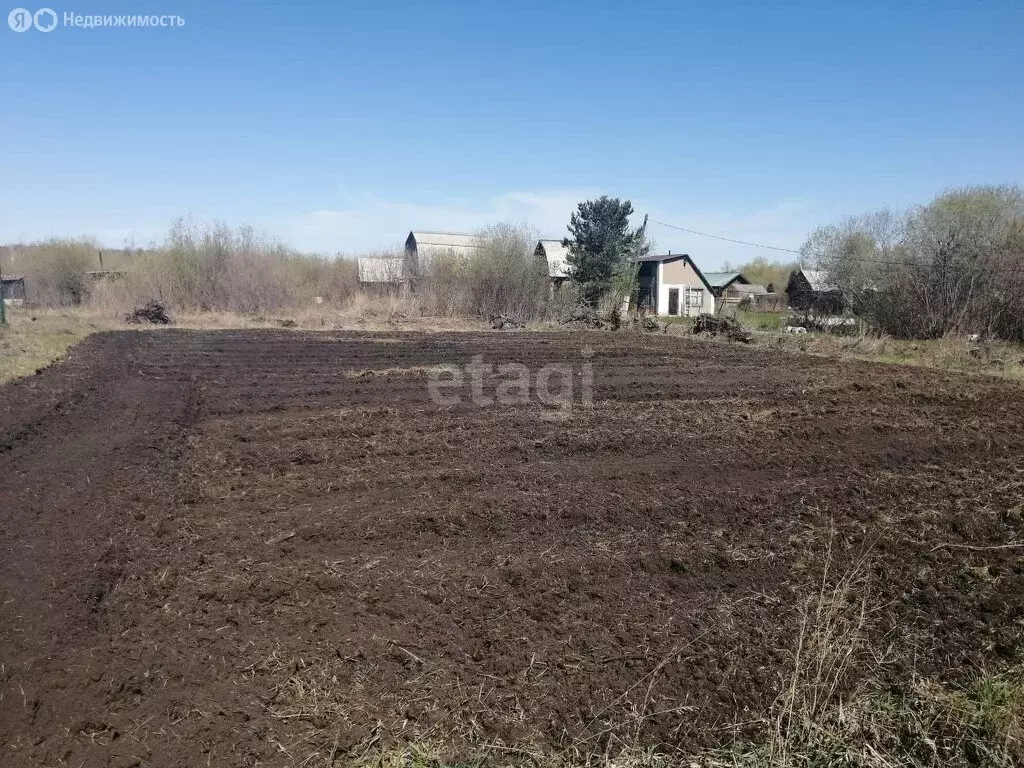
column 341, row 126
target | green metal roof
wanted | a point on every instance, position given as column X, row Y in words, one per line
column 720, row 279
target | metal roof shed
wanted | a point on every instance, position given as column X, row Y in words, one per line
column 557, row 257
column 421, row 248
column 376, row 269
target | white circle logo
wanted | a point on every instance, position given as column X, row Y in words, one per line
column 45, row 19
column 20, row 20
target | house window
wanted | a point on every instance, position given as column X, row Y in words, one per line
column 673, row 301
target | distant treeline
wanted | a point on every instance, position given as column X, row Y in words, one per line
column 211, row 267
column 199, row 266
column 953, row 266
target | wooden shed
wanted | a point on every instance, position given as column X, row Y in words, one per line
column 12, row 289
column 727, row 286
column 813, row 290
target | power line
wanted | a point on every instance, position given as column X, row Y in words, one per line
column 960, row 267
column 967, row 267
column 994, row 269
column 726, row 239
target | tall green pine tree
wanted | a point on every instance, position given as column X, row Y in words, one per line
column 602, row 246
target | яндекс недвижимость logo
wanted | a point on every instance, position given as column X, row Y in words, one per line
column 22, row 19
column 46, row 20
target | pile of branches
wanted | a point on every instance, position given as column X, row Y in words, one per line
column 505, row 323
column 721, row 325
column 153, row 313
column 585, row 316
column 588, row 317
column 644, row 324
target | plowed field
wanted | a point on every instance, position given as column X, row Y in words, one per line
column 263, row 548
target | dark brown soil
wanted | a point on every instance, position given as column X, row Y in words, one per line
column 242, row 548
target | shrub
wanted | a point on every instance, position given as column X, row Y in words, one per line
column 505, row 278
column 955, row 265
column 501, row 278
column 57, row 270
column 213, row 268
column 442, row 289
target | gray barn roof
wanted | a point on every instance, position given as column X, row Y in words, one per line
column 748, row 289
column 442, row 241
column 820, row 280
column 557, row 256
column 427, row 246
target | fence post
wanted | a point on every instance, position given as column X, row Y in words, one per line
column 3, row 301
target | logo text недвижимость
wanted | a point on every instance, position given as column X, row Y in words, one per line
column 47, row 19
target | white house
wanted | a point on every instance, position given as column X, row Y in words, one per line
column 671, row 284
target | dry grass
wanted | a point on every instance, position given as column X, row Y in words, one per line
column 35, row 338
column 835, row 714
column 928, row 726
column 952, row 353
column 998, row 358
column 359, row 312
column 414, row 370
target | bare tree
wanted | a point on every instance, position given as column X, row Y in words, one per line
column 955, row 265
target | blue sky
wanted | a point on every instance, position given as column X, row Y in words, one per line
column 341, row 126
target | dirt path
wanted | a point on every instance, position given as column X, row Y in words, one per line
column 259, row 547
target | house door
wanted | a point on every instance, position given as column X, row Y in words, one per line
column 673, row 301
column 694, row 301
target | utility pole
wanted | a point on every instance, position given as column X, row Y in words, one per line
column 634, row 273
column 3, row 301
